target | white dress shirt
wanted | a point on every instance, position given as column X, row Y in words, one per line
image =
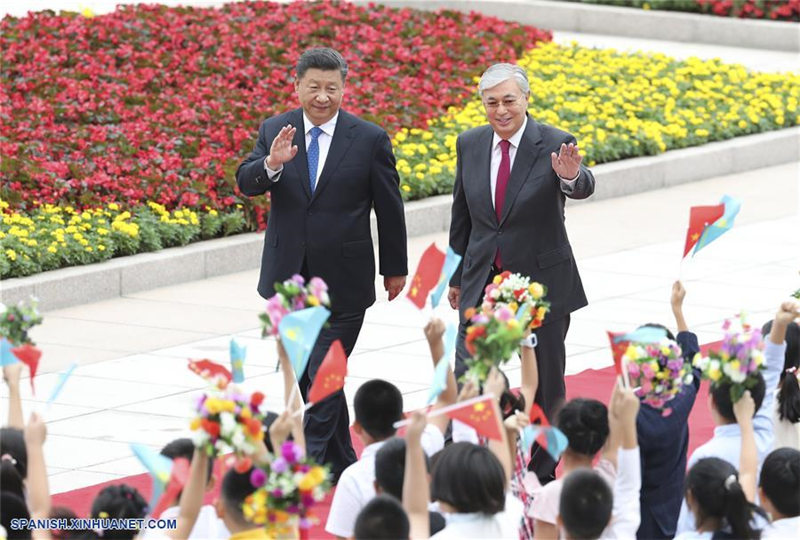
column 784, row 529
column 324, row 141
column 567, row 185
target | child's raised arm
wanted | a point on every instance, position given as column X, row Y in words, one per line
column 38, row 487
column 744, row 409
column 676, row 301
column 415, row 480
column 530, row 375
column 434, row 332
column 11, row 374
column 495, row 385
column 191, row 496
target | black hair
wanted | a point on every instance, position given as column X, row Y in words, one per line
column 788, row 387
column 119, row 501
column 469, row 478
column 13, row 507
column 721, row 394
column 12, row 444
column 10, row 480
column 780, row 480
column 236, row 487
column 509, row 401
column 383, row 518
column 184, row 448
column 717, row 494
column 61, row 512
column 586, row 504
column 378, row 405
column 660, row 326
column 323, row 58
column 390, row 466
column 585, row 423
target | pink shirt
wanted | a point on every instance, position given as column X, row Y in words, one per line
column 546, row 499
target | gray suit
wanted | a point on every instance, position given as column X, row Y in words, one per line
column 530, row 235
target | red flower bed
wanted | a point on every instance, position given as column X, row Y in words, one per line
column 158, row 103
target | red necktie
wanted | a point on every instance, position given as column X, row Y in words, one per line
column 503, row 172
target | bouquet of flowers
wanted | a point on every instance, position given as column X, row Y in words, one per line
column 738, row 361
column 228, row 420
column 292, row 295
column 15, row 321
column 493, row 335
column 659, row 371
column 286, row 490
column 517, row 292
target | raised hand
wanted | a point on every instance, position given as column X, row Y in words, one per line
column 567, row 162
column 282, row 149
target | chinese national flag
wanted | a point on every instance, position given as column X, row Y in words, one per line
column 331, row 374
column 177, row 480
column 700, row 217
column 28, row 355
column 209, row 370
column 617, row 350
column 537, row 414
column 427, row 276
column 483, row 416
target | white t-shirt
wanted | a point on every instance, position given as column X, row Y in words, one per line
column 207, row 527
column 787, row 528
column 504, row 524
column 356, row 486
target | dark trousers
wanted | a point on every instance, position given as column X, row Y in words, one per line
column 327, row 424
column 551, row 361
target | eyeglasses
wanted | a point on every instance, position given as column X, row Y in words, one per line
column 508, row 103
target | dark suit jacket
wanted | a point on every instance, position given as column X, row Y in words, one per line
column 330, row 230
column 663, row 442
column 531, row 233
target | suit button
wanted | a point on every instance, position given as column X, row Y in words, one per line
column 499, row 232
column 259, row 179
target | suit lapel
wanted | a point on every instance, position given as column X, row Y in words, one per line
column 528, row 152
column 300, row 161
column 342, row 138
column 483, row 167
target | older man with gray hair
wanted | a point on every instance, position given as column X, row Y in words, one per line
column 512, row 179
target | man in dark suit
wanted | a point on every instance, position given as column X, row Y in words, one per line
column 325, row 170
column 512, row 178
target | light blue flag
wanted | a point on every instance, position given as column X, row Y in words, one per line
column 6, row 356
column 523, row 311
column 440, row 373
column 722, row 225
column 62, row 379
column 645, row 334
column 451, row 262
column 299, row 331
column 555, row 442
column 159, row 467
column 450, row 335
column 238, row 354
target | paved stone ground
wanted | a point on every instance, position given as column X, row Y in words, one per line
column 132, row 385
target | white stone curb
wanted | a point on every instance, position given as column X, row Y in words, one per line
column 627, row 22
column 125, row 275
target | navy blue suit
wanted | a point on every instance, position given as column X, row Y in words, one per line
column 663, row 443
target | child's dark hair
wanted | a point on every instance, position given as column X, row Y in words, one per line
column 780, row 480
column 269, row 418
column 717, row 494
column 61, row 512
column 585, row 423
column 12, row 507
column 586, row 504
column 509, row 401
column 721, row 394
column 788, row 386
column 469, row 478
column 383, row 518
column 660, row 326
column 235, row 489
column 184, row 448
column 390, row 467
column 378, row 405
column 13, row 450
column 119, row 501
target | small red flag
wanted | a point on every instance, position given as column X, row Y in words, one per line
column 331, row 374
column 177, row 480
column 427, row 277
column 700, row 217
column 538, row 414
column 28, row 355
column 483, row 416
column 617, row 350
column 209, row 370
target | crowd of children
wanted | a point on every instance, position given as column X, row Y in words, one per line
column 625, row 472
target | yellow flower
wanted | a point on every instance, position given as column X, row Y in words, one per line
column 11, row 254
column 194, row 425
column 406, row 188
column 536, row 290
column 312, row 300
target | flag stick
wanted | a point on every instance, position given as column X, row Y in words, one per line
column 445, row 410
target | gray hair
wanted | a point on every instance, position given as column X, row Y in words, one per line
column 499, row 73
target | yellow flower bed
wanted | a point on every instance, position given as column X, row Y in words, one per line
column 50, row 237
column 618, row 105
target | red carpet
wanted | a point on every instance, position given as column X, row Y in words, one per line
column 591, row 383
